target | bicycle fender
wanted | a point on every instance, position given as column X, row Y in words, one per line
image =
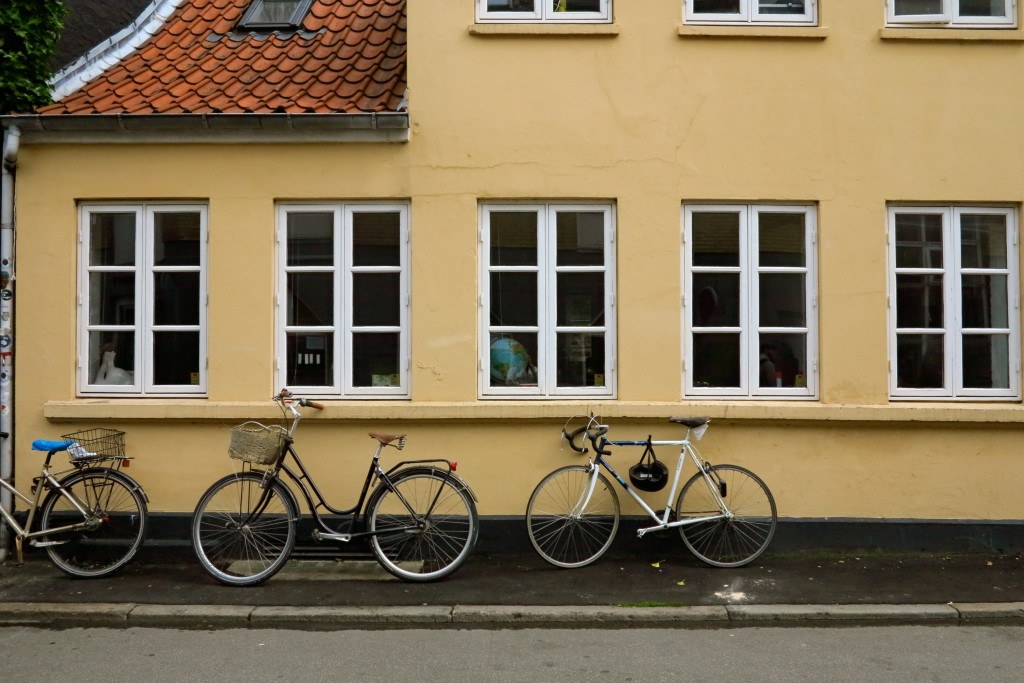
column 425, row 469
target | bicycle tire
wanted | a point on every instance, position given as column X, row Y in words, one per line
column 241, row 536
column 437, row 544
column 116, row 501
column 733, row 541
column 565, row 539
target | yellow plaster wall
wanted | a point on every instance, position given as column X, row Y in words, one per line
column 646, row 115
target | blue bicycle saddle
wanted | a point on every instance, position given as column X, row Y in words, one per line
column 45, row 445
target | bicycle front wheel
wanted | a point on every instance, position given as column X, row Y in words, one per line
column 243, row 529
column 740, row 535
column 113, row 530
column 424, row 525
column 563, row 530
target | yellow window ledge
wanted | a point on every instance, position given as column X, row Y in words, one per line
column 585, row 30
column 748, row 31
column 102, row 410
column 953, row 35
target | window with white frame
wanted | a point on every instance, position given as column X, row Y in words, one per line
column 953, row 304
column 553, row 11
column 750, row 315
column 142, row 302
column 343, row 305
column 976, row 13
column 547, row 300
column 751, row 11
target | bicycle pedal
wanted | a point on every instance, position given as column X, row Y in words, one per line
column 321, row 536
column 44, row 544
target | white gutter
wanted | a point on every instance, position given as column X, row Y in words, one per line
column 12, row 140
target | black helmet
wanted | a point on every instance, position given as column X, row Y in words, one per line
column 649, row 476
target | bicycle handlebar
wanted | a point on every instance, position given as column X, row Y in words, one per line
column 286, row 395
column 592, row 434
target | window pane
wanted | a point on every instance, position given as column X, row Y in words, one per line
column 376, row 299
column 717, row 301
column 983, row 8
column 310, row 299
column 375, row 238
column 983, row 241
column 176, row 298
column 310, row 239
column 918, row 240
column 782, row 6
column 580, row 360
column 514, row 299
column 716, row 6
column 782, row 300
column 783, row 360
column 580, row 238
column 919, row 361
column 911, row 7
column 580, row 299
column 716, row 239
column 112, row 239
column 919, row 301
column 176, row 358
column 176, row 239
column 310, row 359
column 986, row 361
column 575, row 5
column 274, row 12
column 716, row 360
column 111, row 298
column 510, row 5
column 513, row 238
column 375, row 360
column 781, row 239
column 111, row 357
column 513, row 361
column 984, row 301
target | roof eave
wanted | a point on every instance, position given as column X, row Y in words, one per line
column 210, row 128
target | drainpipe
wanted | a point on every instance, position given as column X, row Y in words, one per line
column 12, row 139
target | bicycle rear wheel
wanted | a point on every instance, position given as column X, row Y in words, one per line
column 735, row 540
column 243, row 531
column 432, row 520
column 117, row 507
column 560, row 531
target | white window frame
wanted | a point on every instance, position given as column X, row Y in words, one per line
column 749, row 14
column 954, row 331
column 542, row 13
column 547, row 328
column 343, row 270
column 144, row 325
column 950, row 16
column 748, row 327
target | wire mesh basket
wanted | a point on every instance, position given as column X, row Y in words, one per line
column 257, row 443
column 94, row 444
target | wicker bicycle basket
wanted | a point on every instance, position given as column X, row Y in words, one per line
column 257, row 443
column 96, row 443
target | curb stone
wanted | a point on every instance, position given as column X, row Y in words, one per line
column 188, row 616
column 328, row 616
column 989, row 610
column 584, row 615
column 50, row 613
column 860, row 613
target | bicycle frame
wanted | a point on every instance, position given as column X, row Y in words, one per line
column 44, row 482
column 687, row 451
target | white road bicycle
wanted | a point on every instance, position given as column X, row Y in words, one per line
column 725, row 513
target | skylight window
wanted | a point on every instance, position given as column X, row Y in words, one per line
column 273, row 14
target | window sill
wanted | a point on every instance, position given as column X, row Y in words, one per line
column 749, row 31
column 583, row 30
column 953, row 34
column 118, row 410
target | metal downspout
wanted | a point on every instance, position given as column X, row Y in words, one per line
column 12, row 140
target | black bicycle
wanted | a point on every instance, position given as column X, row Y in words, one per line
column 420, row 519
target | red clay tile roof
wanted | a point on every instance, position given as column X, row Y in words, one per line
column 347, row 57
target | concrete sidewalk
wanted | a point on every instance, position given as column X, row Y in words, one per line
column 167, row 589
